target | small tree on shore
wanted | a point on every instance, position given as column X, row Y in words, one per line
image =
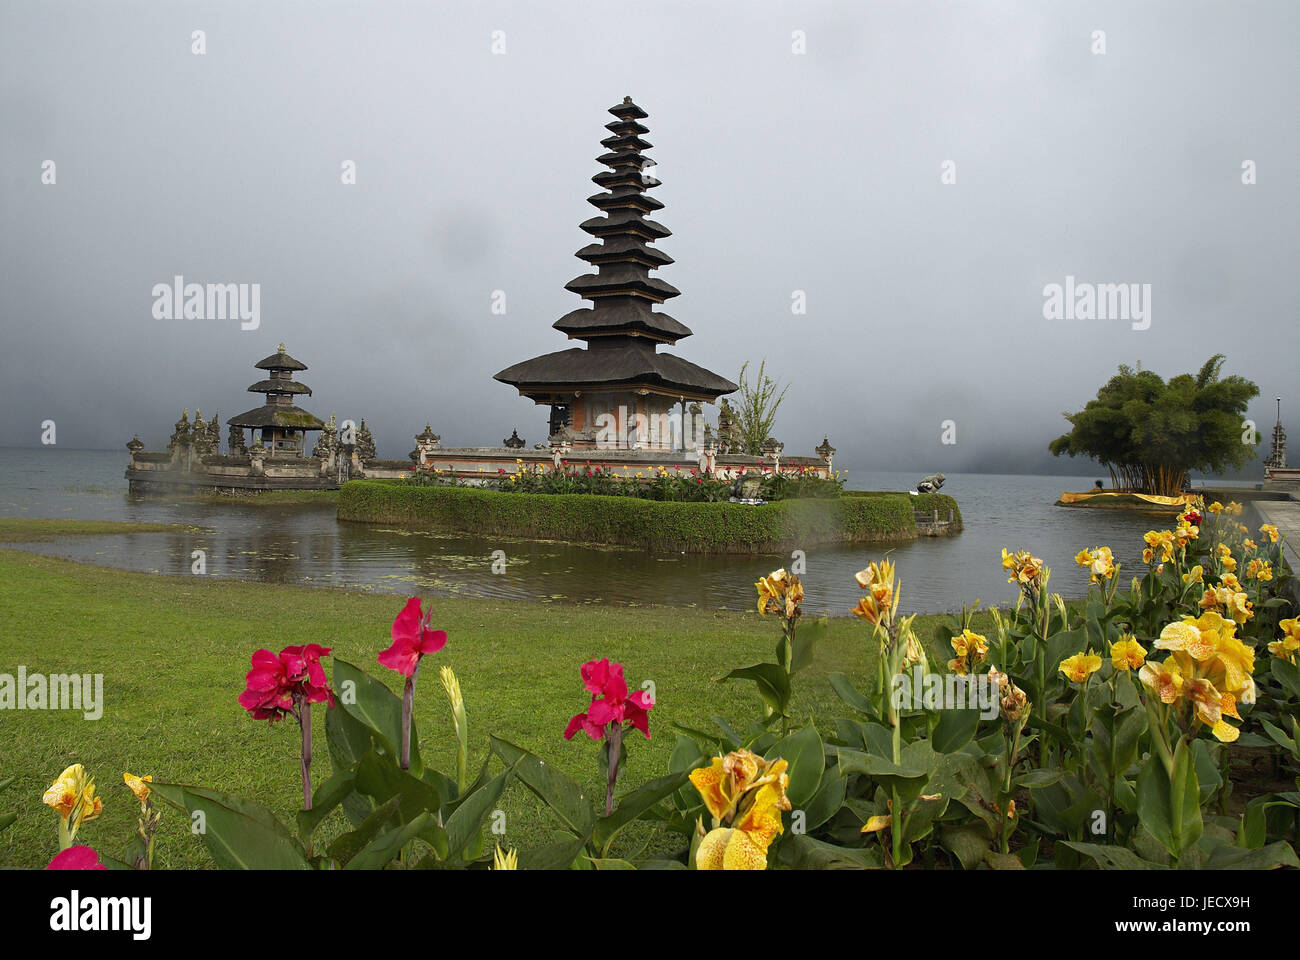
column 1150, row 433
column 756, row 412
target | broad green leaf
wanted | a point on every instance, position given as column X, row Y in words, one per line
column 849, row 694
column 1271, row 857
column 1042, row 777
column 773, row 684
column 954, row 730
column 323, row 801
column 371, row 703
column 466, row 822
column 239, row 834
column 807, row 635
column 1169, row 802
column 385, row 847
column 557, row 791
column 1111, row 857
column 828, row 799
column 384, row 818
column 1254, row 822
column 802, row 852
column 632, row 806
column 379, row 777
column 554, row 856
column 1002, row 861
column 802, row 750
column 968, row 843
column 1279, row 737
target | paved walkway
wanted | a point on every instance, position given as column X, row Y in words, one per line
column 1285, row 515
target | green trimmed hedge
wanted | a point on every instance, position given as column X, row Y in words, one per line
column 655, row 525
column 925, row 503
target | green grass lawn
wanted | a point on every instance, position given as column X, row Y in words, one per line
column 174, row 650
column 29, row 529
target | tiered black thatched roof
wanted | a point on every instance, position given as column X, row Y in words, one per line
column 280, row 387
column 622, row 329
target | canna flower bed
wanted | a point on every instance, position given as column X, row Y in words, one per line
column 1096, row 735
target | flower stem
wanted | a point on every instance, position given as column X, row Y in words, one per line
column 615, row 743
column 408, row 700
column 304, row 723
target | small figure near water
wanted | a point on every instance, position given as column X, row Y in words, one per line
column 931, row 484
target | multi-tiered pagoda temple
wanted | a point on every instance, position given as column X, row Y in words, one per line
column 278, row 424
column 621, row 376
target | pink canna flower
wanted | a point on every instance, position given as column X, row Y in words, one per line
column 76, row 858
column 412, row 639
column 610, row 702
column 275, row 680
column 305, row 661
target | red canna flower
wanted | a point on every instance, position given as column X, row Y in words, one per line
column 274, row 681
column 610, row 702
column 305, row 661
column 76, row 858
column 412, row 639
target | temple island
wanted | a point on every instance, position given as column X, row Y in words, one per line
column 620, row 399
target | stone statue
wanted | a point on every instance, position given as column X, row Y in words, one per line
column 214, row 432
column 365, row 445
column 235, row 440
column 930, row 484
column 200, row 435
column 328, row 441
column 728, row 434
column 180, row 438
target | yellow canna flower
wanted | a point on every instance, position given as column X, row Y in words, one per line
column 1194, row 575
column 1230, row 601
column 64, row 793
column 1215, row 507
column 1081, row 666
column 1260, row 570
column 1289, row 644
column 725, row 848
column 1165, row 680
column 1127, row 653
column 1100, row 563
column 139, row 785
column 1269, row 531
column 745, row 794
column 877, row 823
column 505, row 860
column 1210, row 651
column 709, row 782
column 1026, row 569
column 1211, row 706
column 72, row 796
column 1186, row 637
column 1162, row 541
column 880, row 601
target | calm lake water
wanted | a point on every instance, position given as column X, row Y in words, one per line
column 307, row 545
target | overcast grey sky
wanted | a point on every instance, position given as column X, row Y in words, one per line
column 782, row 171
